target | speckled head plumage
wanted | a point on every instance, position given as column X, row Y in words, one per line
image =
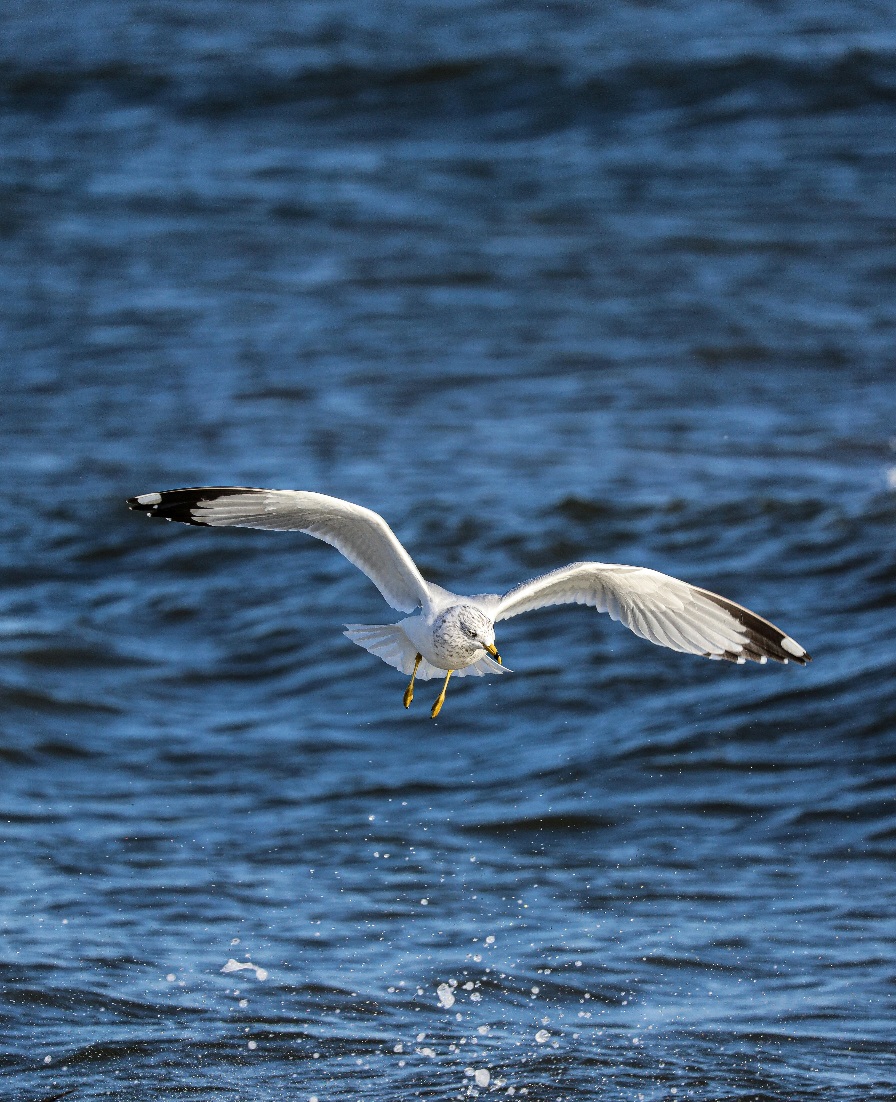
column 460, row 633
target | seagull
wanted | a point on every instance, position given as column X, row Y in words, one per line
column 446, row 633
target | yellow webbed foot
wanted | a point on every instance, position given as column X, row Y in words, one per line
column 440, row 699
column 409, row 691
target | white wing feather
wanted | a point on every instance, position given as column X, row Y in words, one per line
column 362, row 536
column 668, row 612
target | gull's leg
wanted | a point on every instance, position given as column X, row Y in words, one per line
column 440, row 699
column 409, row 691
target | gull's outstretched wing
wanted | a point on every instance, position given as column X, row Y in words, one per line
column 664, row 610
column 360, row 534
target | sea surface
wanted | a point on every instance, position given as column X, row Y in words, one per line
column 539, row 283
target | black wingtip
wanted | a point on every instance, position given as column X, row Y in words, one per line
column 163, row 507
column 180, row 504
column 764, row 640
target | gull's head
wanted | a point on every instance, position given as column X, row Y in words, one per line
column 470, row 630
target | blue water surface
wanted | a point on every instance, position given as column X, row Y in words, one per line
column 538, row 283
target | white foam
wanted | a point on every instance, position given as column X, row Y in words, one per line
column 238, row 966
column 482, row 1076
column 446, row 996
column 149, row 499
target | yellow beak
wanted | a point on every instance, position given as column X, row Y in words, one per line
column 493, row 651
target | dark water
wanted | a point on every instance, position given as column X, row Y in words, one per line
column 539, row 283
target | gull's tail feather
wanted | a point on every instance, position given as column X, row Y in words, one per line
column 389, row 642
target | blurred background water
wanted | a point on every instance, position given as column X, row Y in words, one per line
column 538, row 282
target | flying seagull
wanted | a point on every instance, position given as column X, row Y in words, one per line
column 447, row 633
